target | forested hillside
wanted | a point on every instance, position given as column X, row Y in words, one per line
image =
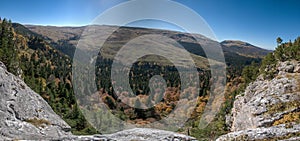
column 46, row 70
column 237, row 53
column 269, row 68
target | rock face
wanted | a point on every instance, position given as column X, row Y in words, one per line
column 268, row 109
column 147, row 134
column 24, row 114
column 139, row 134
column 279, row 132
column 2, row 66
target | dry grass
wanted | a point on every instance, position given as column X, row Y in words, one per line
column 38, row 122
column 280, row 107
column 291, row 117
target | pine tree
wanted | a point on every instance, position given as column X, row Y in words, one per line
column 8, row 49
column 4, row 42
column 279, row 41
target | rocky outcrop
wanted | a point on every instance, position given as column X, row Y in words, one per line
column 2, row 66
column 268, row 109
column 147, row 134
column 280, row 132
column 24, row 114
column 139, row 134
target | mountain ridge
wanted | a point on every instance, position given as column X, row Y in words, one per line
column 244, row 48
column 66, row 40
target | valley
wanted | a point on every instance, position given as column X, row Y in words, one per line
column 43, row 57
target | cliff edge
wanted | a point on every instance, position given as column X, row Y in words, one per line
column 268, row 109
column 24, row 114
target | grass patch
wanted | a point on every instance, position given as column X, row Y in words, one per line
column 38, row 122
column 281, row 107
column 291, row 117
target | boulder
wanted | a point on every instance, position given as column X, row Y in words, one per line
column 287, row 66
column 297, row 68
column 2, row 66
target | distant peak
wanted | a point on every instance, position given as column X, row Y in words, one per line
column 236, row 42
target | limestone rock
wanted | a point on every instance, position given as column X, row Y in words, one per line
column 264, row 102
column 148, row 134
column 24, row 114
column 287, row 66
column 297, row 68
column 253, row 108
column 137, row 134
column 271, row 133
column 2, row 66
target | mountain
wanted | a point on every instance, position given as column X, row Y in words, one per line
column 236, row 53
column 67, row 37
column 55, row 33
column 65, row 40
column 45, row 58
column 47, row 71
column 244, row 49
column 22, row 30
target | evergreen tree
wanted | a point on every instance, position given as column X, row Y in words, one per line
column 8, row 49
column 279, row 41
column 250, row 72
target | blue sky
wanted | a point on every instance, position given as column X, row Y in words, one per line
column 258, row 22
